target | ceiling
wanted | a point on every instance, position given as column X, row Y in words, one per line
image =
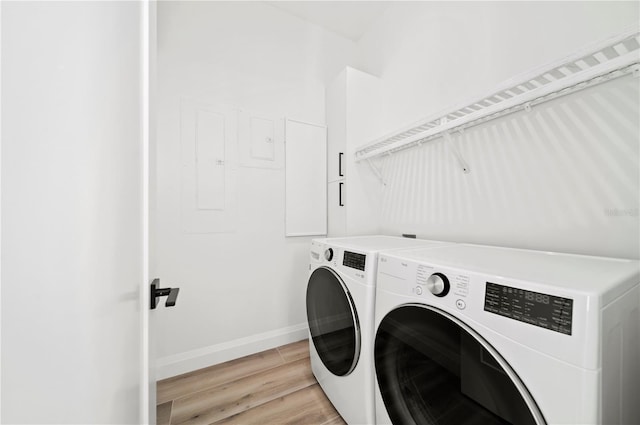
column 350, row 19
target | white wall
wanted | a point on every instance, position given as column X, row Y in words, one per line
column 243, row 290
column 546, row 180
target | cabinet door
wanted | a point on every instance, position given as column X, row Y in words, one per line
column 336, row 208
column 336, row 113
column 305, row 177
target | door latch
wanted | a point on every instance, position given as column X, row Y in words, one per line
column 157, row 292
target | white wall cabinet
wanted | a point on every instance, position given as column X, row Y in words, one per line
column 305, row 177
column 351, row 105
column 336, row 102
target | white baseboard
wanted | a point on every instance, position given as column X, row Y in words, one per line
column 188, row 361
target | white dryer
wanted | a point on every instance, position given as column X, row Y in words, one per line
column 484, row 335
column 340, row 301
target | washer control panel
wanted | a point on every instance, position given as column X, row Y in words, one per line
column 535, row 308
column 438, row 284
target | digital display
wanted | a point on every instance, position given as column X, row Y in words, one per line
column 535, row 308
column 354, row 260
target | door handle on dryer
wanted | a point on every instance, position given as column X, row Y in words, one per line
column 157, row 292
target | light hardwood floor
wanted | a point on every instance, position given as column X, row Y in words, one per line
column 272, row 387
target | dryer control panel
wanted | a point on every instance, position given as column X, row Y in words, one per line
column 354, row 260
column 535, row 308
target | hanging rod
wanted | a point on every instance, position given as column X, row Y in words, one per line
column 599, row 62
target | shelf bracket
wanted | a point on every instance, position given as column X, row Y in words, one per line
column 456, row 153
column 376, row 171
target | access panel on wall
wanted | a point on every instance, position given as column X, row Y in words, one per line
column 260, row 140
column 306, row 176
column 208, row 136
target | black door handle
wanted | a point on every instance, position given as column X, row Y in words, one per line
column 156, row 292
column 340, row 204
column 340, row 164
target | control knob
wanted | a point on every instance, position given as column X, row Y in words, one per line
column 328, row 254
column 438, row 284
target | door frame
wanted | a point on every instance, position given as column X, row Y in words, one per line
column 147, row 391
column 0, row 207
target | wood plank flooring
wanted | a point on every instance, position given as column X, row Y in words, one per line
column 272, row 387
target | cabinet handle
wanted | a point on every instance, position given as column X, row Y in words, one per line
column 340, row 164
column 340, row 195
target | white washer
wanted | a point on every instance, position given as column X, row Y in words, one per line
column 340, row 302
column 484, row 335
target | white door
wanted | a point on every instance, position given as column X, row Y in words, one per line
column 74, row 242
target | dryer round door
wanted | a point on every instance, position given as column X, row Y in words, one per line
column 333, row 321
column 434, row 369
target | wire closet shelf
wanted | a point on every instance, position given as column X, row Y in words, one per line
column 592, row 65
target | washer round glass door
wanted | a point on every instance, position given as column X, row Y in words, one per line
column 434, row 369
column 333, row 321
